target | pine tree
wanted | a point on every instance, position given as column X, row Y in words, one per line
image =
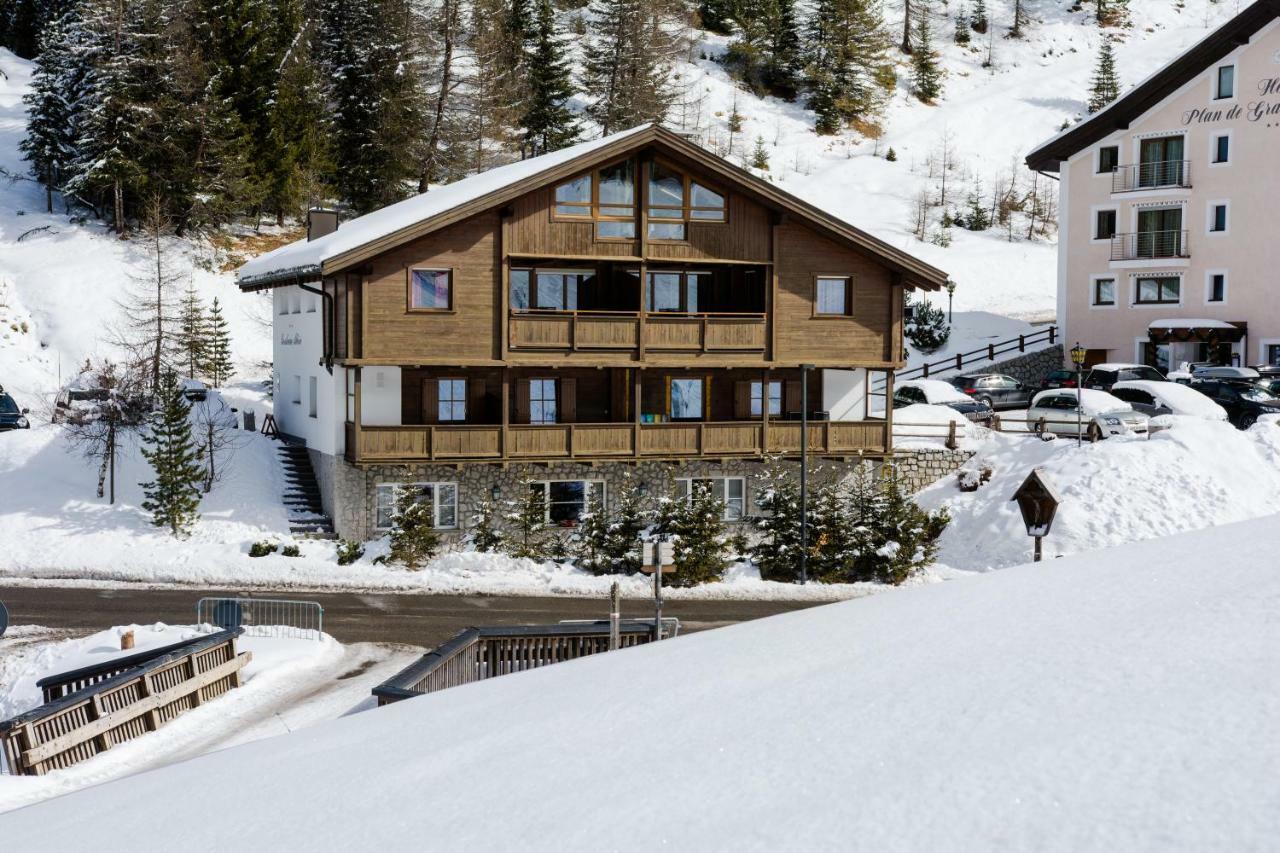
column 1105, row 87
column 414, row 538
column 527, row 533
column 547, row 123
column 218, row 365
column 777, row 553
column 928, row 330
column 979, row 19
column 760, row 155
column 484, row 534
column 696, row 526
column 848, row 66
column 46, row 146
column 978, row 218
column 906, row 540
column 191, row 339
column 765, row 52
column 1019, row 20
column 926, row 74
column 608, row 540
column 631, row 47
column 963, row 27
column 173, row 497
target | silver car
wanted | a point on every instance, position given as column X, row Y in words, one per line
column 1102, row 415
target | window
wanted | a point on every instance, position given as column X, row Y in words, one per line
column 295, row 391
column 282, row 296
column 542, row 401
column 567, row 500
column 675, row 199
column 1217, row 287
column 1225, row 85
column 573, row 198
column 606, row 195
column 1159, row 290
column 687, row 399
column 1273, row 354
column 757, row 399
column 430, row 290
column 675, row 292
column 548, row 290
column 833, row 296
column 1222, row 149
column 451, row 402
column 732, row 491
column 1104, row 291
column 312, row 392
column 1105, row 226
column 1218, row 219
column 312, row 299
column 441, row 497
column 1108, row 159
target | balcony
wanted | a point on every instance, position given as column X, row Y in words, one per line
column 529, row 442
column 575, row 331
column 1165, row 174
column 1150, row 246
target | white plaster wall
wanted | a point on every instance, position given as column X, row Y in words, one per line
column 297, row 353
column 380, row 396
column 844, row 394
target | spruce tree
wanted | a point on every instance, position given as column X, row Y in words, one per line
column 696, row 526
column 218, row 365
column 528, row 535
column 484, row 534
column 928, row 330
column 760, row 155
column 191, row 338
column 979, row 20
column 1105, row 87
column 46, row 146
column 173, row 497
column 414, row 538
column 608, row 540
column 547, row 123
column 848, row 66
column 777, row 552
column 926, row 75
column 963, row 27
column 630, row 49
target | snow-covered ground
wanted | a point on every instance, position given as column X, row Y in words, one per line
column 289, row 684
column 1121, row 700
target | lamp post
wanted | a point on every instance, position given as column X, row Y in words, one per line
column 951, row 289
column 1078, row 354
column 804, row 472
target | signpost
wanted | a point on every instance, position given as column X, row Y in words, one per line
column 1038, row 500
column 658, row 557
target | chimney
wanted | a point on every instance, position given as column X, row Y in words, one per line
column 321, row 221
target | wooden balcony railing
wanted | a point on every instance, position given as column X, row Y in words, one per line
column 623, row 330
column 607, row 441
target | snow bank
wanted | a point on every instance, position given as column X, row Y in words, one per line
column 936, row 391
column 1103, row 702
column 1180, row 398
column 924, row 426
column 1196, row 474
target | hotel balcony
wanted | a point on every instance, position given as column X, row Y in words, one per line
column 1166, row 174
column 1150, row 246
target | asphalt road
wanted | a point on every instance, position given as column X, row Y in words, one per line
column 417, row 620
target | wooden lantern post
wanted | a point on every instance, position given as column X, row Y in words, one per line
column 1038, row 500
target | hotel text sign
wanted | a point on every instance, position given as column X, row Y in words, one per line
column 1266, row 107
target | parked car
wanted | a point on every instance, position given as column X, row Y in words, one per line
column 1270, row 384
column 1268, row 371
column 1103, row 376
column 935, row 392
column 12, row 417
column 1097, row 416
column 995, row 389
column 1058, row 379
column 1219, row 372
column 1167, row 398
column 1245, row 402
column 194, row 390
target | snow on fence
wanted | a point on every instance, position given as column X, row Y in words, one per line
column 264, row 617
column 475, row 654
column 120, row 707
column 950, row 432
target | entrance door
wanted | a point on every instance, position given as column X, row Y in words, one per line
column 1160, row 233
column 1162, row 162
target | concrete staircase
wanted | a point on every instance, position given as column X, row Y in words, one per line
column 307, row 519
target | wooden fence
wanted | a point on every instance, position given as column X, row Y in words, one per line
column 475, row 654
column 949, row 432
column 984, row 355
column 86, row 720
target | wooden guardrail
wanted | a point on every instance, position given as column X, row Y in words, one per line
column 121, row 706
column 989, row 353
column 949, row 432
column 475, row 654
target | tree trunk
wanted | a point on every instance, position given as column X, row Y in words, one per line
column 906, row 26
column 427, row 174
column 118, row 192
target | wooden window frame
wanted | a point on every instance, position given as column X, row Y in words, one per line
column 705, row 378
column 683, row 311
column 592, row 212
column 408, row 291
column 683, row 214
column 766, row 397
column 435, row 501
column 848, row 296
column 555, row 385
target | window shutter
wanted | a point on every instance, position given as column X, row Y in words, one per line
column 430, row 401
column 567, row 405
column 475, row 401
column 742, row 400
column 522, row 401
column 791, row 396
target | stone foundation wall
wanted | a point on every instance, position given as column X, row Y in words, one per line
column 1029, row 369
column 920, row 468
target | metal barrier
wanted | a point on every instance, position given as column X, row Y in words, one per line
column 264, row 617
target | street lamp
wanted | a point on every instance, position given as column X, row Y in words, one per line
column 1078, row 354
column 951, row 289
column 804, row 472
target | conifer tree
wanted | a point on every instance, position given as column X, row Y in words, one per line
column 46, row 145
column 979, row 20
column 527, row 533
column 1105, row 86
column 848, row 66
column 484, row 535
column 777, row 553
column 699, row 543
column 628, row 57
column 926, row 75
column 414, row 538
column 760, row 155
column 963, row 27
column 173, row 496
column 191, row 339
column 608, row 540
column 297, row 176
column 547, row 123
column 218, row 365
column 928, row 330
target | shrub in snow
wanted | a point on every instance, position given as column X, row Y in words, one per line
column 291, row 551
column 484, row 534
column 173, row 497
column 414, row 539
column 608, row 542
column 262, row 548
column 349, row 552
column 527, row 533
column 696, row 525
column 927, row 330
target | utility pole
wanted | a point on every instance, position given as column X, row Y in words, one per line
column 804, row 472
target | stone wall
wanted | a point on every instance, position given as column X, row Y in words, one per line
column 920, row 468
column 1028, row 369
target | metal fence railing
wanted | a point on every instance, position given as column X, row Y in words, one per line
column 1149, row 245
column 1149, row 176
column 264, row 617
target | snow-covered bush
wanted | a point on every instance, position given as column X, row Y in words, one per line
column 262, row 548
column 349, row 551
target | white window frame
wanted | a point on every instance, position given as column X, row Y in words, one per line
column 1262, row 348
column 1212, row 207
column 1097, row 158
column 1227, row 134
column 1208, row 286
column 381, row 489
column 1215, row 76
column 591, row 488
column 686, row 486
column 311, row 300
column 1093, row 290
column 282, row 301
column 313, row 393
column 1093, row 222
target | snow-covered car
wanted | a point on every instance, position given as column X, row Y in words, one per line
column 1103, row 376
column 1154, row 399
column 934, row 392
column 1096, row 415
column 11, row 416
column 1222, row 372
column 194, row 390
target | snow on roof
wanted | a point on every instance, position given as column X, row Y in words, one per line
column 937, row 391
column 911, row 721
column 305, row 257
column 1190, row 324
column 1182, row 399
column 1116, row 365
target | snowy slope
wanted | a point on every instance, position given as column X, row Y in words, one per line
column 1125, row 700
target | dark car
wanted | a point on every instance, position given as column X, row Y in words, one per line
column 995, row 389
column 1102, row 377
column 1245, row 402
column 11, row 417
column 1058, row 379
column 930, row 392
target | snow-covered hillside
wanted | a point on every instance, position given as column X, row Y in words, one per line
column 1121, row 700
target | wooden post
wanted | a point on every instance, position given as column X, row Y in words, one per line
column 636, row 389
column 615, row 616
column 951, row 436
column 505, row 420
column 888, row 412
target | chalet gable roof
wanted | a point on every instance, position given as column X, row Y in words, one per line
column 1149, row 93
column 376, row 232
